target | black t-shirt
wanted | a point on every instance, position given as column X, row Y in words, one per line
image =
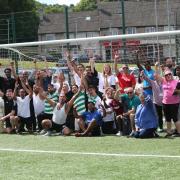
column 93, row 79
column 7, row 84
column 69, row 95
column 9, row 105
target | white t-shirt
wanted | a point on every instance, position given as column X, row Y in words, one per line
column 38, row 104
column 59, row 116
column 111, row 81
column 139, row 88
column 95, row 99
column 110, row 116
column 57, row 85
column 77, row 79
column 23, row 107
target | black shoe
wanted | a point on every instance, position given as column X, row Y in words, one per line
column 13, row 131
column 18, row 131
column 156, row 135
column 176, row 135
column 168, row 135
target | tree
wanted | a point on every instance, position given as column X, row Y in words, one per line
column 25, row 18
column 86, row 5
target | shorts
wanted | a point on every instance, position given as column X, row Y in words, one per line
column 1, row 126
column 27, row 122
column 171, row 112
column 108, row 127
column 96, row 131
column 56, row 127
column 70, row 122
column 8, row 123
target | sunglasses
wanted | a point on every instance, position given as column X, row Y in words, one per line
column 168, row 74
column 130, row 92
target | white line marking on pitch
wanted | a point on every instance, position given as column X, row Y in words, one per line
column 91, row 153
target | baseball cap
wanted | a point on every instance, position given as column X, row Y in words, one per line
column 167, row 71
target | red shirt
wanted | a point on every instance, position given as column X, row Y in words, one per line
column 126, row 80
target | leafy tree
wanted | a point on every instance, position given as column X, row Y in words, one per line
column 25, row 18
column 86, row 5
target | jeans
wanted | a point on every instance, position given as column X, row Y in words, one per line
column 145, row 133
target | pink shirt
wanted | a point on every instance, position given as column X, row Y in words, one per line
column 168, row 90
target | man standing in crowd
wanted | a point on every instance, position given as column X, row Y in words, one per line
column 7, row 82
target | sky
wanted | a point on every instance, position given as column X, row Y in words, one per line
column 61, row 2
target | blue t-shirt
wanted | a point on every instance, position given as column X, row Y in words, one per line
column 150, row 75
column 89, row 116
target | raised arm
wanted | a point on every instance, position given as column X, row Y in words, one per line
column 35, row 65
column 47, row 67
column 43, row 95
column 15, row 90
column 138, row 55
column 117, row 95
column 70, row 103
column 116, row 58
column 145, row 77
column 26, row 87
column 61, row 80
column 92, row 64
column 13, row 70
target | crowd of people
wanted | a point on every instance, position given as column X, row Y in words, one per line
column 95, row 103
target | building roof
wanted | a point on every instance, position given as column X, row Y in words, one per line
column 108, row 14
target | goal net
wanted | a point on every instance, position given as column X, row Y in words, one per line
column 154, row 46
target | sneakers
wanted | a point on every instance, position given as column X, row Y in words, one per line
column 156, row 135
column 131, row 134
column 159, row 130
column 42, row 132
column 168, row 135
column 48, row 133
column 176, row 135
column 119, row 133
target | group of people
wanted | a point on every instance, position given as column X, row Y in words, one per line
column 95, row 103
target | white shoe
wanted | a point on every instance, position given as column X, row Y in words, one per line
column 48, row 133
column 43, row 132
column 119, row 133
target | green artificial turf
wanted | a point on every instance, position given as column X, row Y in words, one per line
column 33, row 165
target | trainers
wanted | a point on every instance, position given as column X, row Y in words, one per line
column 156, row 135
column 119, row 133
column 168, row 135
column 42, row 132
column 159, row 130
column 48, row 133
column 131, row 134
column 176, row 135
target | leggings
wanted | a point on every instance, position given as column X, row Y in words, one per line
column 159, row 111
